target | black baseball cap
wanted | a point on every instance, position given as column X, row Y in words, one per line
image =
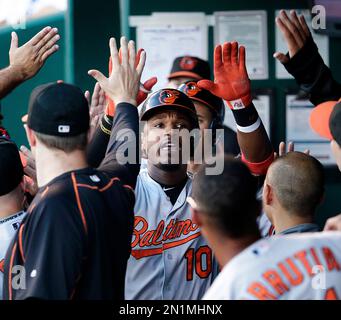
column 191, row 67
column 325, row 119
column 214, row 103
column 58, row 109
column 169, row 99
column 11, row 169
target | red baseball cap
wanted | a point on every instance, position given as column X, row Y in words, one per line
column 325, row 119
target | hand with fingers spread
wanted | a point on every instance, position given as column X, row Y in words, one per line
column 295, row 31
column 28, row 59
column 124, row 81
column 291, row 148
column 231, row 81
column 97, row 107
column 144, row 89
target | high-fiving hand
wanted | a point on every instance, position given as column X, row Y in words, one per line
column 231, row 81
column 145, row 88
column 124, row 82
column 28, row 59
column 295, row 31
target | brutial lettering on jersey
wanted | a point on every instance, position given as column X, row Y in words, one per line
column 293, row 270
column 143, row 238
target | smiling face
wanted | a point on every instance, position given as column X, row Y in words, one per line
column 161, row 141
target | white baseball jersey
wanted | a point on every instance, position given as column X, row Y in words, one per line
column 170, row 259
column 291, row 267
column 8, row 228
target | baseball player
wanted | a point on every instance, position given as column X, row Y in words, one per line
column 306, row 65
column 11, row 198
column 170, row 259
column 306, row 266
column 293, row 188
column 66, row 245
column 211, row 113
column 187, row 68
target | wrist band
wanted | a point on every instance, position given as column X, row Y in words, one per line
column 259, row 168
column 247, row 118
column 253, row 127
column 106, row 124
column 108, row 119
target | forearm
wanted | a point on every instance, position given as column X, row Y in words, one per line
column 252, row 138
column 122, row 155
column 311, row 73
column 9, row 80
column 255, row 146
column 99, row 143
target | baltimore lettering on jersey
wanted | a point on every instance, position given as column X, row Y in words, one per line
column 177, row 230
column 288, row 273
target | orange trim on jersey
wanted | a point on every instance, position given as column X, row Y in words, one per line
column 83, row 185
column 129, row 187
column 74, row 182
column 20, row 242
column 109, row 184
column 87, row 186
column 10, row 294
column 74, row 289
column 45, row 192
column 2, row 265
column 142, row 253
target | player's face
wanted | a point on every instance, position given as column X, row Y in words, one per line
column 204, row 115
column 162, row 143
column 176, row 82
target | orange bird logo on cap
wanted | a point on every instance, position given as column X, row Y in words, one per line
column 168, row 96
column 188, row 63
column 2, row 265
column 192, row 89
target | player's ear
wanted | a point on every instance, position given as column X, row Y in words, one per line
column 196, row 219
column 31, row 137
column 267, row 194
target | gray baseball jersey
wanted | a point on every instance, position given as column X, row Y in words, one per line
column 8, row 228
column 169, row 259
column 290, row 267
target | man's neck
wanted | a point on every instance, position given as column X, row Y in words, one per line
column 53, row 163
column 225, row 249
column 283, row 220
column 168, row 178
column 10, row 205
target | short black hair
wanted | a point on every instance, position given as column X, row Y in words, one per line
column 298, row 182
column 228, row 200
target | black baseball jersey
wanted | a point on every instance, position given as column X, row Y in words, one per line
column 76, row 238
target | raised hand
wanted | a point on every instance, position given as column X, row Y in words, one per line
column 97, row 107
column 144, row 89
column 28, row 59
column 295, row 31
column 29, row 164
column 333, row 224
column 231, row 81
column 291, row 148
column 123, row 83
